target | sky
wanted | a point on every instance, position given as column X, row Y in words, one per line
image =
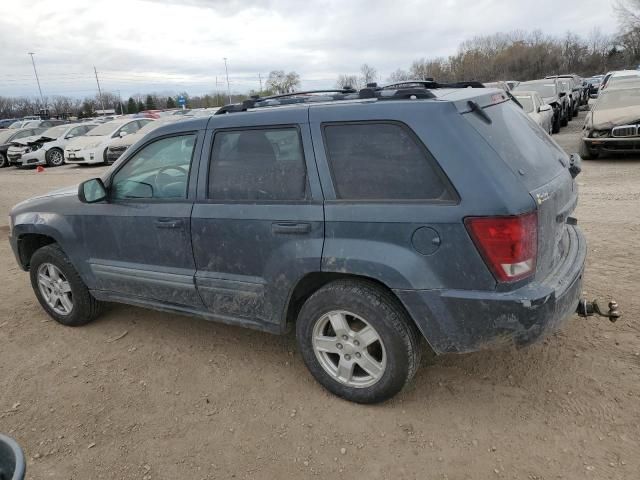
column 140, row 46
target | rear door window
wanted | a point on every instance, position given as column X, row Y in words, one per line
column 382, row 161
column 257, row 164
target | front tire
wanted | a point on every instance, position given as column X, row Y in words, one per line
column 556, row 123
column 357, row 341
column 564, row 120
column 54, row 157
column 59, row 288
column 4, row 162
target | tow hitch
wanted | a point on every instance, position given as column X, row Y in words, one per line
column 590, row 309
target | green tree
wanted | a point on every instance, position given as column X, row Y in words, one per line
column 150, row 104
column 140, row 106
column 131, row 106
column 171, row 103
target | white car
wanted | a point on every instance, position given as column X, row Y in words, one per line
column 538, row 111
column 92, row 147
column 46, row 148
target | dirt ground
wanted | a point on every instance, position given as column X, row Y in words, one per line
column 178, row 397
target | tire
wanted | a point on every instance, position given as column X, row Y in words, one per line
column 570, row 112
column 564, row 120
column 586, row 153
column 55, row 157
column 555, row 128
column 4, row 162
column 396, row 351
column 84, row 308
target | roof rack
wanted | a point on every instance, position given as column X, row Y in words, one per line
column 405, row 90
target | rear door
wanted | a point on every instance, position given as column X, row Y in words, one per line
column 257, row 224
column 542, row 167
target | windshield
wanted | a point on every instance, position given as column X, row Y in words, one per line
column 629, row 97
column 55, row 132
column 544, row 89
column 526, row 102
column 104, row 129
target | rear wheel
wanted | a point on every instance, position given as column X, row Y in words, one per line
column 59, row 288
column 556, row 123
column 357, row 341
column 564, row 120
column 54, row 157
column 570, row 112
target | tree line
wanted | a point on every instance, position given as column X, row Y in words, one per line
column 517, row 55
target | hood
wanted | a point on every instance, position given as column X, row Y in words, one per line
column 61, row 192
column 85, row 141
column 607, row 119
column 31, row 139
column 550, row 99
column 126, row 141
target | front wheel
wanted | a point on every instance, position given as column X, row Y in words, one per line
column 59, row 288
column 3, row 160
column 357, row 341
column 556, row 123
column 54, row 157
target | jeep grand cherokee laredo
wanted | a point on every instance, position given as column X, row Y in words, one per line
column 366, row 220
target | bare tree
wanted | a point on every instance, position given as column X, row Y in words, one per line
column 399, row 76
column 280, row 82
column 628, row 13
column 368, row 74
column 347, row 81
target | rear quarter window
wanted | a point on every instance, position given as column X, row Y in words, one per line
column 383, row 161
column 525, row 147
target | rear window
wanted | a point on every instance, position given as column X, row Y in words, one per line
column 382, row 161
column 520, row 142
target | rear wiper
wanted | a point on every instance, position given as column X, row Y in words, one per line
column 477, row 109
column 510, row 95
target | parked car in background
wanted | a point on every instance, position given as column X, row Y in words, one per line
column 538, row 111
column 119, row 145
column 566, row 86
column 593, row 84
column 551, row 93
column 7, row 136
column 248, row 218
column 499, row 84
column 46, row 148
column 92, row 147
column 6, row 122
column 36, row 123
column 613, row 124
column 579, row 89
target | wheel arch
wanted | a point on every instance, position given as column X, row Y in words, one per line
column 29, row 243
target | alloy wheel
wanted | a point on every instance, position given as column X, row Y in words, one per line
column 55, row 289
column 349, row 349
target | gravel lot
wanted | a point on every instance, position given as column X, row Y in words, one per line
column 178, row 397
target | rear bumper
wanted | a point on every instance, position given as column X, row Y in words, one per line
column 465, row 320
column 613, row 145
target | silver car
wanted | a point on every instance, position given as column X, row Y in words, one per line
column 538, row 111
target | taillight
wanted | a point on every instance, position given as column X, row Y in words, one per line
column 509, row 245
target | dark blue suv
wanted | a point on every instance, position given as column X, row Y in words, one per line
column 366, row 220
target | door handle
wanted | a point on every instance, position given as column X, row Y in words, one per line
column 290, row 228
column 169, row 223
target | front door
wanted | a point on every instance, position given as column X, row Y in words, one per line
column 139, row 242
column 257, row 225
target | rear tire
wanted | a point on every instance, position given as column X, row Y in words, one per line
column 54, row 157
column 570, row 112
column 564, row 120
column 555, row 128
column 53, row 275
column 335, row 329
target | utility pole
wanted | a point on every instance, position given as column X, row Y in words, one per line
column 37, row 79
column 217, row 93
column 260, row 78
column 99, row 91
column 227, row 73
column 120, row 100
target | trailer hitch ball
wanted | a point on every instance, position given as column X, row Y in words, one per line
column 590, row 309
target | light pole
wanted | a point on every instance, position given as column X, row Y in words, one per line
column 37, row 79
column 227, row 73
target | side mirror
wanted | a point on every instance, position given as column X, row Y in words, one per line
column 122, row 134
column 544, row 108
column 92, row 191
column 12, row 463
column 71, row 135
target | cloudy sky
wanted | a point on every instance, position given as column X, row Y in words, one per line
column 172, row 45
